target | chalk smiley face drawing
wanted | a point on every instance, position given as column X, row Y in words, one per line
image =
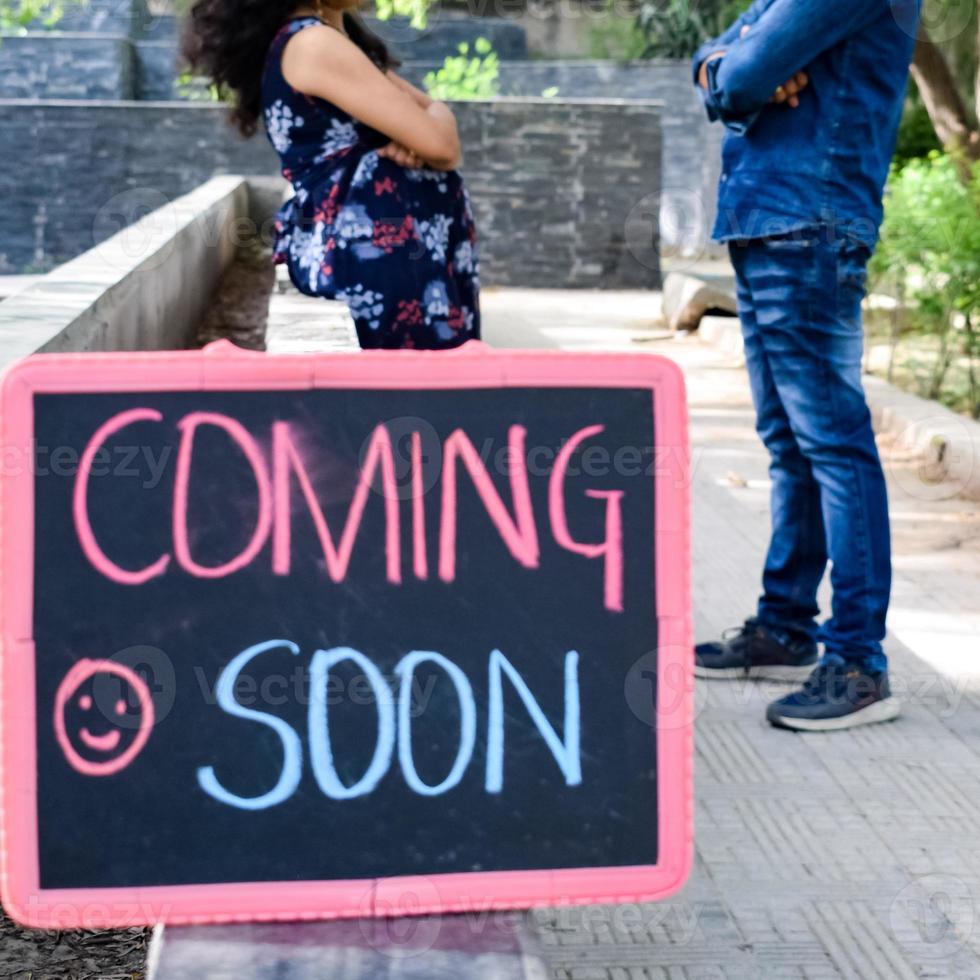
column 99, row 739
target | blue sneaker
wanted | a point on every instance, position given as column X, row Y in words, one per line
column 754, row 651
column 836, row 696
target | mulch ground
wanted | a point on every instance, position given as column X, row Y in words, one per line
column 32, row 954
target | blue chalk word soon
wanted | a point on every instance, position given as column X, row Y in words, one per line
column 394, row 729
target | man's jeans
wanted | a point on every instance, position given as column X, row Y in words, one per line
column 799, row 301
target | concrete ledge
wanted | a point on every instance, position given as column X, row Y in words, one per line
column 300, row 324
column 948, row 444
column 501, row 946
column 9, row 285
column 145, row 288
column 687, row 299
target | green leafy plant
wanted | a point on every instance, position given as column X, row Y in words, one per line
column 929, row 257
column 677, row 28
column 727, row 12
column 617, row 38
column 672, row 28
column 916, row 136
column 16, row 15
column 466, row 76
column 194, row 88
column 417, row 11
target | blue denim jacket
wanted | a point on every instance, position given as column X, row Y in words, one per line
column 825, row 162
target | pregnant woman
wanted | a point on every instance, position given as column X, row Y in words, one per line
column 379, row 217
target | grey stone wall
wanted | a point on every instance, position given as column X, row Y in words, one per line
column 124, row 17
column 66, row 66
column 692, row 146
column 446, row 31
column 565, row 192
column 440, row 37
column 156, row 70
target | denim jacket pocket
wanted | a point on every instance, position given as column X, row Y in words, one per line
column 805, row 240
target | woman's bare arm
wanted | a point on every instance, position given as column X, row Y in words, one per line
column 323, row 62
column 416, row 93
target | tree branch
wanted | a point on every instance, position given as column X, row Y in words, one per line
column 942, row 100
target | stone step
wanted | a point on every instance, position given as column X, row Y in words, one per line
column 300, row 324
column 424, row 948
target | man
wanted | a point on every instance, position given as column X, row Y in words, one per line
column 811, row 92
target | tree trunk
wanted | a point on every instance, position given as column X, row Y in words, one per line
column 942, row 100
column 976, row 80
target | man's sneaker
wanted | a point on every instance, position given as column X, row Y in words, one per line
column 836, row 697
column 753, row 651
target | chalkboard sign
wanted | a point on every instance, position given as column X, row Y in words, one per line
column 342, row 635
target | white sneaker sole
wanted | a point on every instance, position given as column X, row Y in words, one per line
column 886, row 710
column 774, row 672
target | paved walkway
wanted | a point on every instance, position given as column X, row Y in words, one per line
column 852, row 855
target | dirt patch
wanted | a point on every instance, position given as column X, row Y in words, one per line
column 240, row 307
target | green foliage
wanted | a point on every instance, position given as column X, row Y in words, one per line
column 417, row 11
column 916, row 135
column 677, row 28
column 194, row 88
column 617, row 38
column 952, row 25
column 465, row 76
column 17, row 14
column 672, row 28
column 728, row 12
column 930, row 256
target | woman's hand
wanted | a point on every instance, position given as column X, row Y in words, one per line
column 401, row 155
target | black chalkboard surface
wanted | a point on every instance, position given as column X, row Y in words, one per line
column 343, row 635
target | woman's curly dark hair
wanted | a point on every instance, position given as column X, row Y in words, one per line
column 227, row 42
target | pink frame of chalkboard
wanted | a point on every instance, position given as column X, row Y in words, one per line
column 223, row 367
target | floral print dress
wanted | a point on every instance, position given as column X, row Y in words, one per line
column 398, row 245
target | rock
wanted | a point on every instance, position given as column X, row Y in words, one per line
column 687, row 299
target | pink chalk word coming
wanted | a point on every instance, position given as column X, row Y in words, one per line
column 519, row 531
